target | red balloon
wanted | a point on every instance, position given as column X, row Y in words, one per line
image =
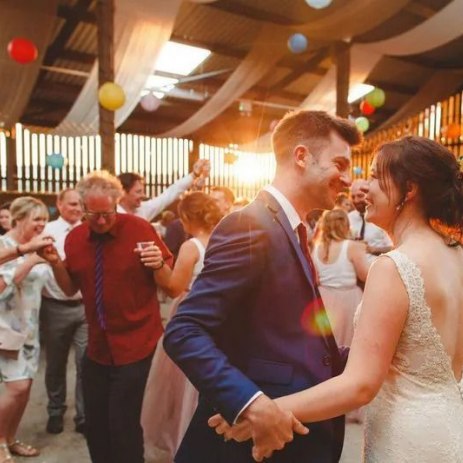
column 366, row 108
column 22, row 50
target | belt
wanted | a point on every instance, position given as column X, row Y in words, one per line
column 66, row 302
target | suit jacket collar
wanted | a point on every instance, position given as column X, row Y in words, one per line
column 279, row 216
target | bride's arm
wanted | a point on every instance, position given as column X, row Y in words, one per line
column 384, row 311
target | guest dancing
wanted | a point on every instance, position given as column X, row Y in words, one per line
column 170, row 399
column 21, row 283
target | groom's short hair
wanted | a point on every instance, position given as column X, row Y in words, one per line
column 310, row 128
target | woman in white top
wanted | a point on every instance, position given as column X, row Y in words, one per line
column 21, row 283
column 170, row 399
column 339, row 262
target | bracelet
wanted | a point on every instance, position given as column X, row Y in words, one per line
column 160, row 265
column 18, row 251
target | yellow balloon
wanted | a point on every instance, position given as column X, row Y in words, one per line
column 111, row 96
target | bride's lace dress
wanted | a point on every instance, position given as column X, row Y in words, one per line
column 417, row 415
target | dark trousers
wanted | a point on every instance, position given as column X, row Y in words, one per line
column 63, row 326
column 113, row 397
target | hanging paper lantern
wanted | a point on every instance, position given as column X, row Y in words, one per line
column 357, row 170
column 150, row 102
column 376, row 97
column 362, row 123
column 453, row 130
column 366, row 108
column 55, row 160
column 111, row 96
column 318, row 4
column 298, row 43
column 22, row 50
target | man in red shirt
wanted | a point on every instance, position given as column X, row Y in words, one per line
column 122, row 310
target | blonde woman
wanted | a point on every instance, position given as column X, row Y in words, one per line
column 340, row 262
column 170, row 399
column 21, row 282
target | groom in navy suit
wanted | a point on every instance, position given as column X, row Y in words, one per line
column 253, row 326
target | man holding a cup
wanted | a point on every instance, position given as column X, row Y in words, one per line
column 108, row 260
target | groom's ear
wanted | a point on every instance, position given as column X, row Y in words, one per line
column 301, row 155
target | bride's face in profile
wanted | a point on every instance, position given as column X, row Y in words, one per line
column 381, row 206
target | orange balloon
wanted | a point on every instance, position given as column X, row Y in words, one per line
column 453, row 130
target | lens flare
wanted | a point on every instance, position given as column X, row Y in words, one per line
column 315, row 320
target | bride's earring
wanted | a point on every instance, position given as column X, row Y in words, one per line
column 400, row 206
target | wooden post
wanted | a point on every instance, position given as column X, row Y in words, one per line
column 342, row 59
column 11, row 163
column 105, row 15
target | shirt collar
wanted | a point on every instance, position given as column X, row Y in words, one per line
column 111, row 233
column 285, row 204
column 66, row 225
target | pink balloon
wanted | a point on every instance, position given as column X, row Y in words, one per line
column 150, row 102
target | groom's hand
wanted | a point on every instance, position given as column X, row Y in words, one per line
column 271, row 427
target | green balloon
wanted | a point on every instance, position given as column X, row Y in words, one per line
column 362, row 123
column 376, row 97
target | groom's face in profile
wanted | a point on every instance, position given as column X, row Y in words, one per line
column 327, row 171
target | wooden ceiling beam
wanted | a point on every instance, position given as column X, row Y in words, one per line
column 392, row 87
column 242, row 9
column 418, row 9
column 78, row 56
column 59, row 44
column 67, row 12
column 313, row 62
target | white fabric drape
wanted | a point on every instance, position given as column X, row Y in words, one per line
column 267, row 50
column 142, row 27
column 354, row 17
column 364, row 57
column 35, row 21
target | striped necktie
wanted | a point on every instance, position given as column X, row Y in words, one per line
column 99, row 284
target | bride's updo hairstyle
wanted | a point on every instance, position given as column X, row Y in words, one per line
column 200, row 209
column 433, row 168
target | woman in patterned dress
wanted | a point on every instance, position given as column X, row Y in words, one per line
column 21, row 282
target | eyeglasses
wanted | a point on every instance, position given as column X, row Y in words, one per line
column 97, row 215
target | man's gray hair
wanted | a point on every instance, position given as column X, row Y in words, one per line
column 100, row 183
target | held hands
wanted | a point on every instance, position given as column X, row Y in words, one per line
column 49, row 254
column 36, row 243
column 269, row 426
column 150, row 255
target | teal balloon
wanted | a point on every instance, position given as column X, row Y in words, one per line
column 55, row 160
column 376, row 97
column 362, row 123
column 298, row 43
column 358, row 170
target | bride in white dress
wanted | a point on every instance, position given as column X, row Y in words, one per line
column 406, row 358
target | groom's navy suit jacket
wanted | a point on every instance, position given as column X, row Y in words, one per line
column 253, row 321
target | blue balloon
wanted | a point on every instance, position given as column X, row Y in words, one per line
column 55, row 160
column 358, row 170
column 318, row 4
column 298, row 43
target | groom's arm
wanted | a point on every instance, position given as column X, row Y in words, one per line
column 234, row 262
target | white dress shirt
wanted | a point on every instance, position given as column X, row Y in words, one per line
column 58, row 229
column 374, row 236
column 149, row 209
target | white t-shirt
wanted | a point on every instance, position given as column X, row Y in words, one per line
column 149, row 209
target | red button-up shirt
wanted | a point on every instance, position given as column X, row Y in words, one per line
column 131, row 307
